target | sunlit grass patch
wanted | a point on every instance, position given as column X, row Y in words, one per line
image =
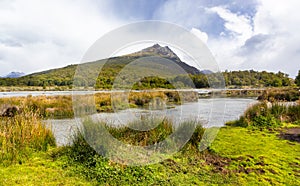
column 259, row 156
column 40, row 169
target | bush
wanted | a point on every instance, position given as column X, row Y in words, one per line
column 265, row 122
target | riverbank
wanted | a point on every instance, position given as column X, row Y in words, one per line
column 61, row 106
column 255, row 150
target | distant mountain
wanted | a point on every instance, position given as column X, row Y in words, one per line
column 14, row 75
column 206, row 72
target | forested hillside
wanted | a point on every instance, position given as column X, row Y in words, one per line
column 102, row 74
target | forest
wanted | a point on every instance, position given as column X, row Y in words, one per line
column 233, row 79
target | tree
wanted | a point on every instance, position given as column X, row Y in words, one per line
column 297, row 80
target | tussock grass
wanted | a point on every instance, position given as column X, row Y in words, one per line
column 185, row 167
column 280, row 94
column 62, row 106
column 22, row 134
column 269, row 115
column 46, row 106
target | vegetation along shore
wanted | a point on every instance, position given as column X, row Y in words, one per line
column 265, row 151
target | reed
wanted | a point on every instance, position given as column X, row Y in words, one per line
column 23, row 134
column 62, row 106
column 46, row 106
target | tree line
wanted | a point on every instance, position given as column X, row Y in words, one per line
column 233, row 79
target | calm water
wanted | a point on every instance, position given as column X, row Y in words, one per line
column 211, row 112
column 41, row 93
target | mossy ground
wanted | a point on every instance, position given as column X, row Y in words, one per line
column 40, row 169
column 259, row 157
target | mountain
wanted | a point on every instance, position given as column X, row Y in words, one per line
column 157, row 50
column 206, row 72
column 14, row 75
column 166, row 53
column 147, row 62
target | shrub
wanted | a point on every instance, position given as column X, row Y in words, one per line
column 265, row 122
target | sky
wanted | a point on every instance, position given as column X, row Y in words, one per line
column 254, row 34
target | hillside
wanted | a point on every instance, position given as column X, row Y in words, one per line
column 153, row 67
column 153, row 60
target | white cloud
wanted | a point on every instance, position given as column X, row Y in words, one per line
column 185, row 13
column 268, row 41
column 281, row 21
column 38, row 35
column 201, row 35
column 239, row 25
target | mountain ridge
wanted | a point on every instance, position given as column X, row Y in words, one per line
column 14, row 75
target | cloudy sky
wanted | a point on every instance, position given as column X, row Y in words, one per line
column 254, row 34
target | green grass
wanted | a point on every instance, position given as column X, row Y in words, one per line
column 264, row 115
column 238, row 156
column 259, row 157
column 40, row 169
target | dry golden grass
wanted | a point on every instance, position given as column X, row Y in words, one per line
column 22, row 134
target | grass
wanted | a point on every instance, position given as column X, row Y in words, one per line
column 21, row 135
column 41, row 169
column 187, row 167
column 280, row 94
column 238, row 155
column 62, row 106
column 46, row 106
column 259, row 156
column 272, row 115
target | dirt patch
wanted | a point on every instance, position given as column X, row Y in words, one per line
column 291, row 134
column 219, row 163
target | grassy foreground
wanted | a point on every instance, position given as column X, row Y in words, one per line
column 255, row 150
column 238, row 156
column 259, row 157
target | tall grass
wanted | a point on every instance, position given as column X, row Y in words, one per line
column 81, row 151
column 280, row 94
column 23, row 134
column 129, row 135
column 269, row 115
column 62, row 106
column 46, row 106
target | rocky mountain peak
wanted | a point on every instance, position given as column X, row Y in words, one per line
column 160, row 51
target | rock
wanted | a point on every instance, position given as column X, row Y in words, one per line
column 10, row 111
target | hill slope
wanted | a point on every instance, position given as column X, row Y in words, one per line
column 152, row 67
column 153, row 60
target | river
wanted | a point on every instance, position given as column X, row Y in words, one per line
column 211, row 112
